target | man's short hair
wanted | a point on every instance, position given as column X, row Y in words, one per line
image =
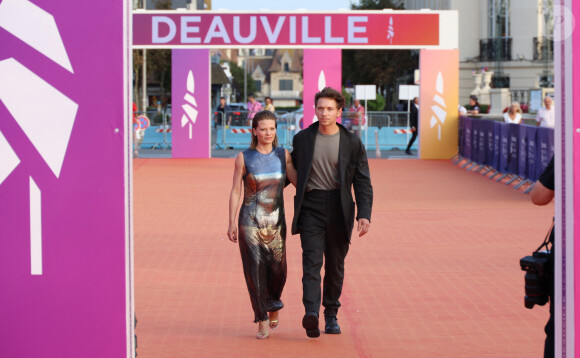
column 329, row 92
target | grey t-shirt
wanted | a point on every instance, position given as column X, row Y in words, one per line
column 324, row 172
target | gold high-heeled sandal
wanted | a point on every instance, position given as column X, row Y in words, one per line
column 274, row 322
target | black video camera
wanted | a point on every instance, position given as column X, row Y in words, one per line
column 538, row 269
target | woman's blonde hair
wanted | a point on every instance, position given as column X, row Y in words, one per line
column 517, row 107
column 261, row 116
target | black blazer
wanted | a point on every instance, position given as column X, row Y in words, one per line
column 353, row 171
column 414, row 118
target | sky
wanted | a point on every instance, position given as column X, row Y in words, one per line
column 280, row 5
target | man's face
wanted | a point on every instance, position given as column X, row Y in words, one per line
column 251, row 99
column 416, row 101
column 327, row 111
column 548, row 102
column 222, row 102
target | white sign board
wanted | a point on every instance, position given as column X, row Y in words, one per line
column 535, row 100
column 408, row 92
column 366, row 92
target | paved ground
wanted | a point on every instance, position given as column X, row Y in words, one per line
column 437, row 276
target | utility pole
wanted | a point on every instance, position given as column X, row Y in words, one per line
column 144, row 83
column 246, row 51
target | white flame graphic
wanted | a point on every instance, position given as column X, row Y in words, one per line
column 190, row 115
column 390, row 30
column 438, row 119
column 321, row 85
column 48, row 124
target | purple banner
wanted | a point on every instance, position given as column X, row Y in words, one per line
column 514, row 145
column 475, row 125
column 461, row 135
column 191, row 108
column 532, row 151
column 496, row 145
column 482, row 142
column 545, row 143
column 63, row 178
column 504, row 148
column 322, row 68
column 522, row 152
column 467, row 138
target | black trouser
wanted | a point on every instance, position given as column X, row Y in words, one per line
column 413, row 137
column 322, row 234
column 549, row 329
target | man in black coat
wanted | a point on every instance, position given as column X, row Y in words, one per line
column 414, row 122
column 330, row 161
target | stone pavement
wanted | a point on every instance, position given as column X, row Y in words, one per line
column 437, row 276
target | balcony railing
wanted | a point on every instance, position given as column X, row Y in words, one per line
column 543, row 49
column 497, row 49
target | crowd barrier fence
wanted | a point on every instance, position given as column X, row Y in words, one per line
column 516, row 150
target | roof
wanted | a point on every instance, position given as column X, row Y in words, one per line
column 218, row 77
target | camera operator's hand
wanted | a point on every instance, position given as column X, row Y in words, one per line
column 541, row 195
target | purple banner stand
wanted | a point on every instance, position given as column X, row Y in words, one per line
column 322, row 68
column 532, row 150
column 461, row 135
column 475, row 125
column 545, row 143
column 64, row 179
column 514, row 144
column 482, row 142
column 467, row 138
column 489, row 154
column 505, row 148
column 191, row 108
column 522, row 152
column 496, row 150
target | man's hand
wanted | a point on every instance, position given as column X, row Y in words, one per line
column 363, row 226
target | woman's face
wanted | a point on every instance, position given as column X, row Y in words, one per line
column 471, row 102
column 268, row 101
column 265, row 131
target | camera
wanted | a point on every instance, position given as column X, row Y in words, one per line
column 538, row 277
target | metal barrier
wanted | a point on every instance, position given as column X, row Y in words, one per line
column 388, row 130
column 233, row 130
column 158, row 134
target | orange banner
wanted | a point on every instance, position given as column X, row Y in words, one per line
column 438, row 103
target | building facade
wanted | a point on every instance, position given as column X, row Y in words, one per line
column 511, row 38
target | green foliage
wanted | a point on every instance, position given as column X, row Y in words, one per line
column 384, row 68
column 159, row 66
column 375, row 5
column 347, row 97
column 238, row 81
column 378, row 104
column 163, row 4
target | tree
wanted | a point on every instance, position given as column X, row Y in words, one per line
column 159, row 66
column 238, row 81
column 384, row 68
column 137, row 66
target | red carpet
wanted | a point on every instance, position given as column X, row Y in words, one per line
column 437, row 275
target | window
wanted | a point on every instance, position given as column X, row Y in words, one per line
column 499, row 19
column 258, row 85
column 285, row 85
column 286, row 67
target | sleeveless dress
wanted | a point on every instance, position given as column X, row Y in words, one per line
column 262, row 230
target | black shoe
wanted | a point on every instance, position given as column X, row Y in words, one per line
column 310, row 323
column 332, row 326
column 408, row 152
